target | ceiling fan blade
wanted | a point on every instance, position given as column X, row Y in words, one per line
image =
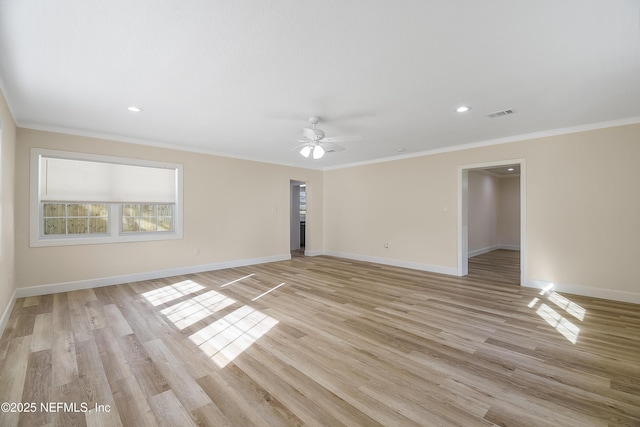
column 330, row 147
column 313, row 134
column 342, row 138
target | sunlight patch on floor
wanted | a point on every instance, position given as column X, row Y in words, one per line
column 270, row 290
column 554, row 318
column 171, row 292
column 566, row 304
column 225, row 339
column 562, row 325
column 186, row 313
column 237, row 280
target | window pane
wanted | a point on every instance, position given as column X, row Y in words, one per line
column 165, row 223
column 148, row 224
column 165, row 210
column 99, row 210
column 130, row 210
column 97, row 225
column 129, row 224
column 75, row 218
column 145, row 218
column 147, row 210
column 77, row 209
column 55, row 210
column 77, row 225
column 55, row 226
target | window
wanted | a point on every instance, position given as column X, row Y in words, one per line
column 80, row 199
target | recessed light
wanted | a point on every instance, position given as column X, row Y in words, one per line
column 134, row 109
column 400, row 150
column 510, row 169
column 463, row 109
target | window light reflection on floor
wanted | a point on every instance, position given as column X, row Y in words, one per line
column 186, row 313
column 224, row 339
column 237, row 280
column 562, row 325
column 566, row 304
column 550, row 315
column 171, row 292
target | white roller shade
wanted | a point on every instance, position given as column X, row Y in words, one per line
column 91, row 181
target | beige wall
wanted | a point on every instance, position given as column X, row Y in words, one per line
column 484, row 209
column 7, row 185
column 509, row 212
column 409, row 204
column 233, row 210
column 582, row 208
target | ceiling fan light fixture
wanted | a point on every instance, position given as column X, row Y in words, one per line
column 318, row 152
column 305, row 151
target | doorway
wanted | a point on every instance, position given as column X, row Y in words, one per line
column 491, row 255
column 298, row 218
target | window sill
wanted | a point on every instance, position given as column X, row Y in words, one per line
column 99, row 240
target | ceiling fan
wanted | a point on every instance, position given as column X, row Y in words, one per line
column 316, row 144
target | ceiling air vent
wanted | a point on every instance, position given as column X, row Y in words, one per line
column 501, row 113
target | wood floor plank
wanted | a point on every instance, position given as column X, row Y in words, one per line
column 116, row 321
column 66, row 404
column 12, row 380
column 95, row 314
column 131, row 403
column 31, row 301
column 37, row 387
column 236, row 410
column 107, row 417
column 342, row 343
column 143, row 368
column 42, row 338
column 64, row 364
column 78, row 317
column 209, row 415
column 188, row 392
column 27, row 321
column 169, row 411
column 92, row 376
column 112, row 356
column 269, row 371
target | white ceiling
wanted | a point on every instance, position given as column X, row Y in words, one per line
column 240, row 78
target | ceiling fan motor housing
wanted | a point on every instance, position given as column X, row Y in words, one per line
column 313, row 134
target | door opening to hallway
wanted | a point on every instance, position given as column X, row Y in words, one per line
column 298, row 223
column 491, row 221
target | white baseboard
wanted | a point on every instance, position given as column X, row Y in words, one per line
column 493, row 248
column 394, row 262
column 586, row 291
column 314, row 253
column 7, row 313
column 136, row 277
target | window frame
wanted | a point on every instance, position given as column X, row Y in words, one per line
column 115, row 233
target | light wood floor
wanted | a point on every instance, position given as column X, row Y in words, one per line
column 339, row 343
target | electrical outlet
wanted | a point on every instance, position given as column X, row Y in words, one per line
column 196, row 251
